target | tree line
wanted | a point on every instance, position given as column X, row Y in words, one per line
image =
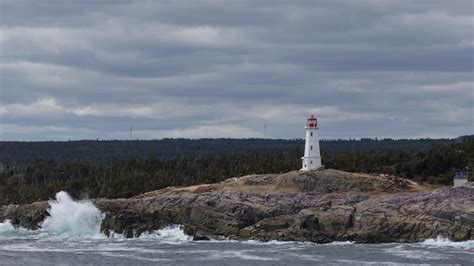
column 126, row 174
column 102, row 151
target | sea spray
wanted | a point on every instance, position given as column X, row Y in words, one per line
column 170, row 234
column 72, row 218
column 6, row 226
column 69, row 219
column 441, row 241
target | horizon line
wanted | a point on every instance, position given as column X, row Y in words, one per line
column 269, row 139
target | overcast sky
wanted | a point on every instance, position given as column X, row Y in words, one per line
column 90, row 69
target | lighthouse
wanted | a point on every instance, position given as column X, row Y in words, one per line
column 312, row 157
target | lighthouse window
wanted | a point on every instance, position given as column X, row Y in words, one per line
column 311, row 133
column 311, row 147
column 310, row 162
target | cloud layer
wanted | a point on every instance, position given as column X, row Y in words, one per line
column 90, row 69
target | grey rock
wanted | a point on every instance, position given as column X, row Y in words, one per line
column 319, row 206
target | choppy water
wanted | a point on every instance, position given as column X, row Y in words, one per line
column 71, row 237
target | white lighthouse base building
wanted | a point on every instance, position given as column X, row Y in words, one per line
column 461, row 178
column 312, row 157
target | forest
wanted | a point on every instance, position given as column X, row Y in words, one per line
column 32, row 171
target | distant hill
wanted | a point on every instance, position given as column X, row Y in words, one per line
column 93, row 151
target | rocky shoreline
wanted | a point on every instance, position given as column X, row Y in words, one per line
column 318, row 206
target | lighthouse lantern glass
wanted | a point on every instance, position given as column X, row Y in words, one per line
column 312, row 123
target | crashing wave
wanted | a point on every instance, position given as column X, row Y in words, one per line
column 441, row 241
column 6, row 226
column 72, row 218
column 172, row 233
column 68, row 219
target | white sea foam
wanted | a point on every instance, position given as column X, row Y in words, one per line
column 132, row 256
column 68, row 219
column 169, row 234
column 430, row 248
column 8, row 231
column 6, row 226
column 174, row 232
column 278, row 242
column 240, row 254
column 340, row 243
column 275, row 242
column 411, row 252
column 441, row 241
column 72, row 218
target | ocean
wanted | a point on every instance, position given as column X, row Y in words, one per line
column 71, row 236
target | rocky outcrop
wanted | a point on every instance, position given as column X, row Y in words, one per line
column 318, row 206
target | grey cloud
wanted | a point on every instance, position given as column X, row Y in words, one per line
column 368, row 68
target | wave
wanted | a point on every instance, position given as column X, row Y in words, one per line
column 67, row 219
column 8, row 231
column 170, row 234
column 6, row 226
column 242, row 255
column 441, row 241
column 72, row 218
column 430, row 249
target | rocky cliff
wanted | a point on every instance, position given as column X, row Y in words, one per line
column 319, row 206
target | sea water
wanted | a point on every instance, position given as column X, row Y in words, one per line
column 71, row 236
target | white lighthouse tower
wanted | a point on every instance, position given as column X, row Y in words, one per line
column 312, row 157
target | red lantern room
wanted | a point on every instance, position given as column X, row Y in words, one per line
column 312, row 122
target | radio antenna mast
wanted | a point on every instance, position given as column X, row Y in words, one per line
column 264, row 130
